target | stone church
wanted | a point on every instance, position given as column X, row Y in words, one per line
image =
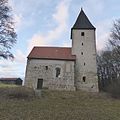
column 66, row 68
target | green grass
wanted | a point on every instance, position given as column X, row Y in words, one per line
column 7, row 85
column 57, row 105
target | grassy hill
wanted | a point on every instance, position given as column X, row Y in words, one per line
column 19, row 103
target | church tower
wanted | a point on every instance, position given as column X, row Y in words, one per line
column 84, row 47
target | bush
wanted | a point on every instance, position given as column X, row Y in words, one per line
column 17, row 93
column 21, row 93
column 114, row 89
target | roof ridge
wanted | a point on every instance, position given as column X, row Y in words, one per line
column 50, row 47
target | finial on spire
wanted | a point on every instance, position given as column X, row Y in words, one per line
column 81, row 8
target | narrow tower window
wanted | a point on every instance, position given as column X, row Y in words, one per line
column 82, row 44
column 81, row 53
column 82, row 34
column 84, row 63
column 84, row 78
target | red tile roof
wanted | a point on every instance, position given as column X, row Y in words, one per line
column 56, row 53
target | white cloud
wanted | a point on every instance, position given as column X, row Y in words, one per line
column 67, row 43
column 103, row 31
column 60, row 17
column 16, row 16
column 20, row 56
column 10, row 69
column 14, row 68
column 18, row 21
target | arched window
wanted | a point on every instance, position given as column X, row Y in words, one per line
column 58, row 70
column 84, row 78
column 46, row 67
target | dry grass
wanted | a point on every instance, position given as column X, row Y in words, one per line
column 57, row 105
column 7, row 85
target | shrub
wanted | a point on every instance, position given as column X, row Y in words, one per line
column 21, row 93
column 17, row 93
column 114, row 89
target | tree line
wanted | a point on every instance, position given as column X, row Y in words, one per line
column 108, row 61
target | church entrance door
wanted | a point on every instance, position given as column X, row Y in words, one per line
column 39, row 83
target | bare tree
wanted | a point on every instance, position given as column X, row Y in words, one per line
column 109, row 60
column 108, row 68
column 114, row 39
column 7, row 33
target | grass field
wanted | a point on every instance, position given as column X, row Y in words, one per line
column 19, row 103
column 7, row 85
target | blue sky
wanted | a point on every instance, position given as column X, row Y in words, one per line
column 48, row 23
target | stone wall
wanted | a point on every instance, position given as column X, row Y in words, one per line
column 46, row 70
column 84, row 47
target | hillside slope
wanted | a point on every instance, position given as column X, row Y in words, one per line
column 19, row 103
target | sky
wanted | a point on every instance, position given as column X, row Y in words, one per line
column 49, row 22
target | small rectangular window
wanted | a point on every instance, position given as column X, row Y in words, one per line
column 84, row 63
column 46, row 67
column 81, row 53
column 82, row 44
column 84, row 78
column 82, row 33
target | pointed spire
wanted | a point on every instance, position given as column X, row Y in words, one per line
column 82, row 22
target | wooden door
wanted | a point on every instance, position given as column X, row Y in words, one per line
column 39, row 83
